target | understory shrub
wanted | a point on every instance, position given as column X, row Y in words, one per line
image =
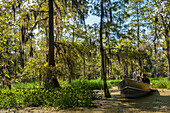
column 91, row 84
column 79, row 94
column 160, row 84
column 25, row 85
column 114, row 82
column 60, row 97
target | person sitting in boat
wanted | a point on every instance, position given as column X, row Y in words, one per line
column 125, row 76
column 138, row 78
column 145, row 79
column 135, row 74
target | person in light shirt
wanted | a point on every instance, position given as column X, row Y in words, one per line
column 135, row 74
column 138, row 78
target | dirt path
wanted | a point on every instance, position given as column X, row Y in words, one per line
column 158, row 101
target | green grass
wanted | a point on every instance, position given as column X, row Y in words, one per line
column 98, row 84
column 25, row 85
column 159, row 79
column 95, row 84
column 114, row 82
column 61, row 98
column 161, row 82
column 79, row 94
column 91, row 84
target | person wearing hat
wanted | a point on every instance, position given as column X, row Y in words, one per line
column 138, row 78
column 145, row 79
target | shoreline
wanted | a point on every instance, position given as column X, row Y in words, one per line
column 158, row 101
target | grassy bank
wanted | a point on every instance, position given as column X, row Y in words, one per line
column 160, row 82
column 77, row 94
column 94, row 84
column 32, row 94
column 98, row 84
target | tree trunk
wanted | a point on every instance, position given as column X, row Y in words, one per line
column 155, row 48
column 126, row 67
column 108, row 70
column 73, row 35
column 22, row 47
column 84, row 62
column 106, row 91
column 8, row 80
column 51, row 35
column 168, row 52
column 101, row 72
column 89, row 75
column 47, row 43
column 138, row 36
column 51, row 78
column 132, row 70
column 167, row 39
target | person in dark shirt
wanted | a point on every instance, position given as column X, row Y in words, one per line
column 145, row 79
column 125, row 76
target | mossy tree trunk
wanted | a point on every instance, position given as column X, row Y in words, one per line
column 51, row 79
column 106, row 91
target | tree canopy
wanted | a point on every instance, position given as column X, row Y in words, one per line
column 131, row 34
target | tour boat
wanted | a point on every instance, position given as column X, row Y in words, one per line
column 132, row 89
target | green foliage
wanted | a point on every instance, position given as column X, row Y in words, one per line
column 25, row 85
column 114, row 82
column 94, row 84
column 91, row 84
column 24, row 41
column 159, row 79
column 79, row 94
column 160, row 83
column 98, row 84
column 61, row 98
column 9, row 99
